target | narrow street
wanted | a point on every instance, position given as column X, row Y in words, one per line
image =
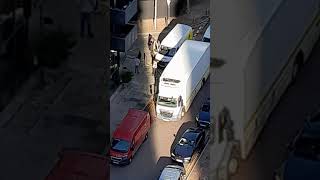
column 154, row 155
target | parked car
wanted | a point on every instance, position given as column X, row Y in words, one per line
column 191, row 142
column 203, row 118
column 129, row 136
column 173, row 172
column 303, row 161
column 79, row 165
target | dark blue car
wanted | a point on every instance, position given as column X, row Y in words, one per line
column 203, row 118
column 303, row 160
column 191, row 142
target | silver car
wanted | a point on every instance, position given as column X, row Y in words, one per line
column 173, row 172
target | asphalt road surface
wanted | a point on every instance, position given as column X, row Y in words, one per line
column 154, row 154
column 300, row 99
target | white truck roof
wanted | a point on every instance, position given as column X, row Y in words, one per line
column 240, row 28
column 187, row 57
column 174, row 36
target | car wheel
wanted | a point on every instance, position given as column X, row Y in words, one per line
column 130, row 160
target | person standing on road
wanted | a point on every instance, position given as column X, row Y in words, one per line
column 154, row 49
column 137, row 64
column 150, row 41
column 87, row 7
column 154, row 67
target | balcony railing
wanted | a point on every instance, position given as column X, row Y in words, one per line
column 122, row 41
column 123, row 11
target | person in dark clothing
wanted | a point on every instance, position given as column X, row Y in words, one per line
column 149, row 41
column 87, row 7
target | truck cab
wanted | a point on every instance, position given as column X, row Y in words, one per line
column 169, row 102
column 172, row 42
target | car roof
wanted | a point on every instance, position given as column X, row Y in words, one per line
column 191, row 133
column 204, row 116
column 79, row 165
column 298, row 168
column 170, row 173
column 129, row 124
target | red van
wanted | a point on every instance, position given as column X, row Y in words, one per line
column 79, row 165
column 129, row 136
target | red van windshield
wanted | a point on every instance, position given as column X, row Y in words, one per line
column 120, row 145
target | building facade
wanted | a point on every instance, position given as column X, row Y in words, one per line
column 128, row 17
column 14, row 59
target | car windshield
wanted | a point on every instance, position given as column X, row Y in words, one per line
column 120, row 145
column 205, row 108
column 307, row 147
column 167, row 51
column 169, row 102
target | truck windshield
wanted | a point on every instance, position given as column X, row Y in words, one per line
column 169, row 102
column 206, row 39
column 167, row 51
column 120, row 145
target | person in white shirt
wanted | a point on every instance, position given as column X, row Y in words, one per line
column 87, row 7
column 137, row 64
column 154, row 67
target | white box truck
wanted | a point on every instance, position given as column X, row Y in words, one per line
column 259, row 49
column 172, row 42
column 182, row 79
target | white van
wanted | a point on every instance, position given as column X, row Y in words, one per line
column 172, row 42
column 206, row 36
column 182, row 79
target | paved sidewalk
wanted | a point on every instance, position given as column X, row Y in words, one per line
column 136, row 93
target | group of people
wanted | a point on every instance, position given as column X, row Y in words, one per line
column 153, row 47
